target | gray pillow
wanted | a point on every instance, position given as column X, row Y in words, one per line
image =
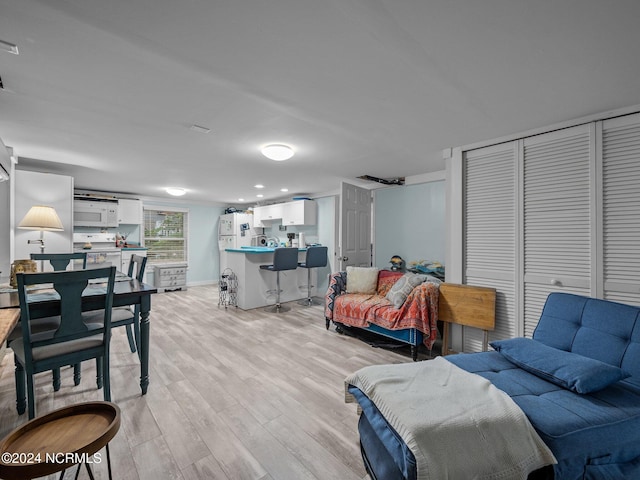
column 403, row 287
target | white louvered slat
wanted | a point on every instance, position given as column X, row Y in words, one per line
column 490, row 234
column 621, row 209
column 557, row 218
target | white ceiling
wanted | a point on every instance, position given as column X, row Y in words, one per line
column 107, row 90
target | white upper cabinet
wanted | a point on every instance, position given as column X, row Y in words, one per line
column 129, row 212
column 300, row 212
column 266, row 215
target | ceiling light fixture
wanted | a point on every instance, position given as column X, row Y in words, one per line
column 176, row 192
column 284, row 189
column 8, row 47
column 278, row 152
column 258, row 186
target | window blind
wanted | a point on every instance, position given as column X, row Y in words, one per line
column 165, row 235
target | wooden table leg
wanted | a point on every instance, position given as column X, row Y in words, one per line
column 145, row 307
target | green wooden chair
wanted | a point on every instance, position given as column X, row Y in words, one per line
column 59, row 262
column 126, row 316
column 72, row 342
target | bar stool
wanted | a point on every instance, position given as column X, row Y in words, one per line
column 283, row 259
column 316, row 257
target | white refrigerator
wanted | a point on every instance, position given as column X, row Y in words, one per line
column 234, row 231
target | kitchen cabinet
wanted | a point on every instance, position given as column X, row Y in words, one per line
column 129, row 212
column 265, row 216
column 299, row 212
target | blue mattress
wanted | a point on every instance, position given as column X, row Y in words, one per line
column 593, row 436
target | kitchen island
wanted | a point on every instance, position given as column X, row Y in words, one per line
column 254, row 282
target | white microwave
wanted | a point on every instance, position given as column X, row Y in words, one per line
column 95, row 212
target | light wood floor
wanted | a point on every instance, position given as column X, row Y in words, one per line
column 233, row 395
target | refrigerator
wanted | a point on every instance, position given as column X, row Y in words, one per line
column 234, row 231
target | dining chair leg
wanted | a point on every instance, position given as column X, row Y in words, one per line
column 107, row 378
column 77, row 374
column 99, row 369
column 31, row 395
column 56, row 379
column 136, row 327
column 21, row 404
column 132, row 341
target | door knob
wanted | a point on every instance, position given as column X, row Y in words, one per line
column 556, row 282
column 344, row 259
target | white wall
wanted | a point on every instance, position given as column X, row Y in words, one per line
column 35, row 188
column 410, row 221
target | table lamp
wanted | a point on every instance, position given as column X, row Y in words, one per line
column 41, row 217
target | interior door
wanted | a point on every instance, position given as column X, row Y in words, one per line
column 355, row 226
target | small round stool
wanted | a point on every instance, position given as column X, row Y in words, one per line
column 56, row 441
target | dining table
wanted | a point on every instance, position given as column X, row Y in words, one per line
column 126, row 291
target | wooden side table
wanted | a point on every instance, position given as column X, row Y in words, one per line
column 56, row 441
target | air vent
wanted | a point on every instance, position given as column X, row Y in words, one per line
column 384, row 181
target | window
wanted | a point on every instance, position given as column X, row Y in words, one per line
column 165, row 235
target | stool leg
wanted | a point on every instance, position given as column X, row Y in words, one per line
column 309, row 286
column 278, row 291
column 278, row 307
column 89, row 472
column 108, row 462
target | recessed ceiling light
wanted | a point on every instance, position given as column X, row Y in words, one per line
column 8, row 47
column 284, row 189
column 241, row 199
column 258, row 186
column 176, row 192
column 259, row 195
column 278, row 152
column 199, row 129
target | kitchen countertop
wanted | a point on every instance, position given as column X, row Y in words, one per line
column 257, row 249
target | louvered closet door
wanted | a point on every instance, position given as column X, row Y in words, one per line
column 490, row 233
column 621, row 209
column 558, row 217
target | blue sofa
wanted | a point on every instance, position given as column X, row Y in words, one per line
column 577, row 380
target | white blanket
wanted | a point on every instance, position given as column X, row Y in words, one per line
column 457, row 424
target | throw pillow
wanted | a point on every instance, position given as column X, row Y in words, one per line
column 403, row 287
column 362, row 280
column 566, row 369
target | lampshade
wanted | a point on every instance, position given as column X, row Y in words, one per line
column 41, row 217
column 278, row 152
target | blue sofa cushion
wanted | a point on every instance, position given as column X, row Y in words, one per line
column 566, row 369
column 578, row 428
